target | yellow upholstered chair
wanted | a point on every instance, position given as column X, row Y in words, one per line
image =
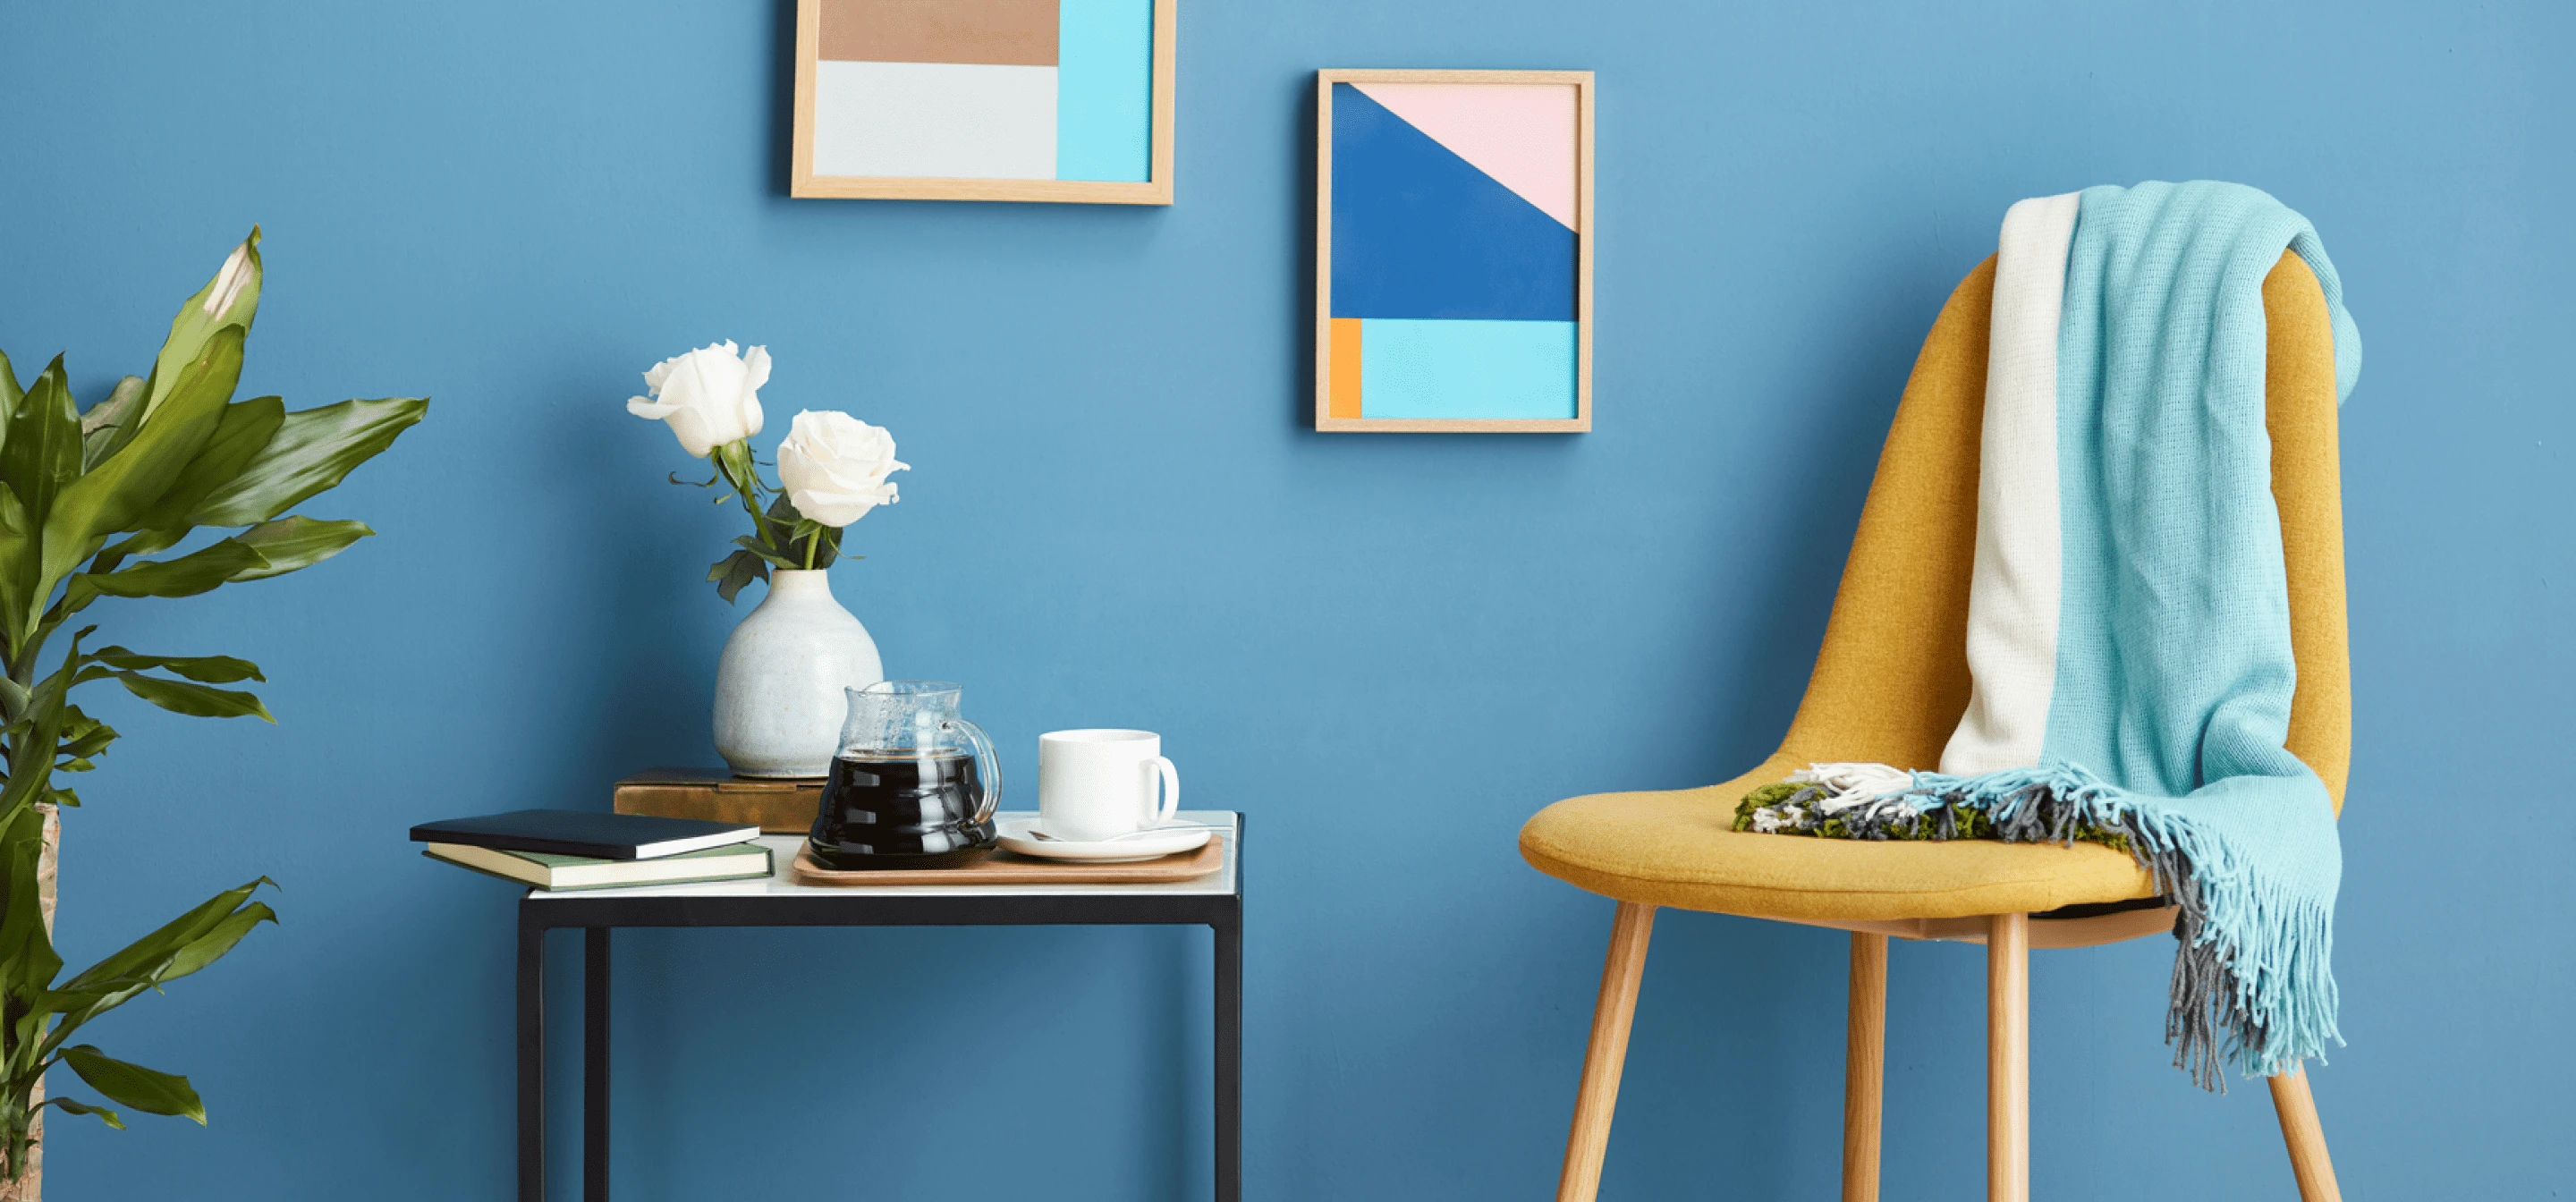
column 1889, row 686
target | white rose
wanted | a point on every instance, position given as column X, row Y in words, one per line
column 709, row 396
column 835, row 467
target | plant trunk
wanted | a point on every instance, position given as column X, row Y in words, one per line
column 29, row 1187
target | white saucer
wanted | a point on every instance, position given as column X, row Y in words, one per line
column 1015, row 837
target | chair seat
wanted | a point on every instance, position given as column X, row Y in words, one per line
column 1678, row 849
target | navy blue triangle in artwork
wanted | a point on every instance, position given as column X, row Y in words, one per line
column 1419, row 232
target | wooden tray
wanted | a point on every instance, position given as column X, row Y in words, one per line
column 999, row 867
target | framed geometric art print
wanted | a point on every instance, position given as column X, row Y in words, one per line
column 1044, row 100
column 1453, row 251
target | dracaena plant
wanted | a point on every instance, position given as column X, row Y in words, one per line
column 93, row 503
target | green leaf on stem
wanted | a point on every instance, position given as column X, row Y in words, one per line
column 123, row 487
column 42, row 453
column 190, row 574
column 18, row 557
column 181, row 947
column 31, row 752
column 246, row 429
column 10, row 393
column 83, row 736
column 27, row 956
column 293, row 543
column 145, row 958
column 13, row 699
column 141, row 542
column 734, row 571
column 756, row 547
column 71, row 1107
column 207, row 948
column 314, row 449
column 134, row 1085
column 194, row 700
column 229, row 300
column 106, row 425
column 205, row 669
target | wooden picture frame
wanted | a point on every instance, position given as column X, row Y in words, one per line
column 804, row 181
column 1338, row 371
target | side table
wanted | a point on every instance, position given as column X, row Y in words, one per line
column 1214, row 901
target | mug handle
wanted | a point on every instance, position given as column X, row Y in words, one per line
column 1171, row 791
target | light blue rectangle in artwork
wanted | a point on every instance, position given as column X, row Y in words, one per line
column 1466, row 369
column 1104, row 108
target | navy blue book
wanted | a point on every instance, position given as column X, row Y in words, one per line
column 591, row 833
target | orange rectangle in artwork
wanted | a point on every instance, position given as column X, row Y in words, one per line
column 1011, row 33
column 1345, row 393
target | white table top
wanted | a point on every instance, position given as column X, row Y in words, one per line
column 782, row 883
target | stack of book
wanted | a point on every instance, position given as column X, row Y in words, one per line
column 578, row 849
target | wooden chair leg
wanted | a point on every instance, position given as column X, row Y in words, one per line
column 1864, row 1066
column 2306, row 1138
column 1620, row 973
column 2008, row 1058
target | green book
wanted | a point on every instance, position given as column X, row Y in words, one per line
column 561, row 873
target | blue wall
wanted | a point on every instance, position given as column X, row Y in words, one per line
column 1388, row 650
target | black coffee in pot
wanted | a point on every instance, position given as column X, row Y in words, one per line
column 914, row 812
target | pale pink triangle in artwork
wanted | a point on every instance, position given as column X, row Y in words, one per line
column 1520, row 134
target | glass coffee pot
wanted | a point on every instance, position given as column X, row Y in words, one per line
column 913, row 786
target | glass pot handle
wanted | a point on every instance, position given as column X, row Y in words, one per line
column 988, row 765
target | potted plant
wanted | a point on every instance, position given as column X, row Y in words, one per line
column 86, row 496
column 779, row 701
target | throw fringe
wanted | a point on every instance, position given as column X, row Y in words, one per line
column 2252, row 985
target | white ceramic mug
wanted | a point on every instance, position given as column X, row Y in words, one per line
column 1098, row 784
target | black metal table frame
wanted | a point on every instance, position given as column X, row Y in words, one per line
column 596, row 915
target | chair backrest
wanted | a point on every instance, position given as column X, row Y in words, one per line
column 1892, row 679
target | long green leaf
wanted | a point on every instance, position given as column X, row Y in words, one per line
column 19, row 548
column 294, row 543
column 105, row 424
column 194, row 700
column 10, row 395
column 31, row 754
column 229, row 299
column 205, row 669
column 247, row 426
column 42, row 454
column 123, row 487
column 143, row 958
column 134, row 1085
column 314, row 450
column 69, row 1106
column 84, row 736
column 207, row 948
column 180, row 947
column 27, row 956
column 191, row 574
column 141, row 542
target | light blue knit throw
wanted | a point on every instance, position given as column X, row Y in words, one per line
column 2174, row 674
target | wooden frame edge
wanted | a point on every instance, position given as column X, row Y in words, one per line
column 809, row 49
column 1581, row 422
column 1156, row 189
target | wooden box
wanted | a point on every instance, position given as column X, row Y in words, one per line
column 781, row 807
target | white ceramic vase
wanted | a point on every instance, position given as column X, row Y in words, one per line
column 779, row 701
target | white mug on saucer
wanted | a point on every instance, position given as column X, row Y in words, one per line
column 1099, row 784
